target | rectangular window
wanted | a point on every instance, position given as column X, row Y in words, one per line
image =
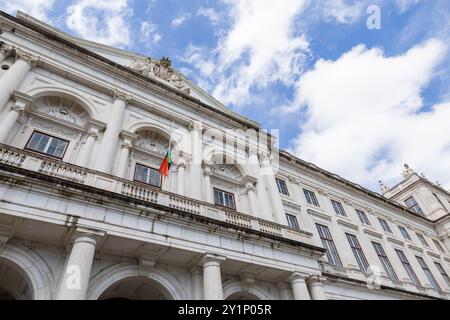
column 384, row 261
column 404, row 232
column 412, row 205
column 292, row 221
column 327, row 241
column 422, row 239
column 443, row 273
column 48, row 145
column 357, row 252
column 428, row 273
column 311, row 197
column 409, row 270
column 224, row 199
column 147, row 175
column 338, row 208
column 385, row 225
column 282, row 187
column 363, row 217
column 439, row 246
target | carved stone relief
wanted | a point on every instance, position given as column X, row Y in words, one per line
column 160, row 69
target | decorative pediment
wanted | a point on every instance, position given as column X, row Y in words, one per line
column 63, row 109
column 227, row 171
column 152, row 141
column 162, row 70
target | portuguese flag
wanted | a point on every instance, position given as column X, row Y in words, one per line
column 165, row 165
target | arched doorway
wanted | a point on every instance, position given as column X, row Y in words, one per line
column 242, row 295
column 14, row 284
column 135, row 288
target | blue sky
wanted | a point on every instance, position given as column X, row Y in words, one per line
column 356, row 101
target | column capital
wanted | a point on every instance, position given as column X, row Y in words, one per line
column 87, row 235
column 195, row 125
column 207, row 168
column 21, row 100
column 294, row 180
column 298, row 277
column 212, row 259
column 95, row 125
column 93, row 133
column 315, row 279
column 119, row 95
column 128, row 137
column 3, row 241
column 27, row 57
column 7, row 49
column 250, row 187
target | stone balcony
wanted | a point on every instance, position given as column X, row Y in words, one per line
column 23, row 161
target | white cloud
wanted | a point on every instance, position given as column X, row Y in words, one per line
column 404, row 5
column 101, row 21
column 209, row 13
column 179, row 20
column 149, row 34
column 36, row 8
column 259, row 48
column 364, row 115
column 341, row 11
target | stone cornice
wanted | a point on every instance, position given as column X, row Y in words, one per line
column 125, row 73
column 334, row 177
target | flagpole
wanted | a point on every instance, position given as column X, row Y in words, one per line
column 170, row 142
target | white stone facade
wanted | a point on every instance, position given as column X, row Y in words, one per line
column 78, row 225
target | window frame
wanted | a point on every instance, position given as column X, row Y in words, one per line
column 146, row 183
column 292, row 218
column 363, row 218
column 408, row 267
column 428, row 273
column 385, row 262
column 358, row 252
column 416, row 205
column 422, row 239
column 405, row 233
column 311, row 195
column 385, row 225
column 439, row 246
column 442, row 272
column 224, row 192
column 282, row 188
column 327, row 241
column 43, row 153
column 338, row 207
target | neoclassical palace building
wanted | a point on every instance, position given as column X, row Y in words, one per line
column 85, row 213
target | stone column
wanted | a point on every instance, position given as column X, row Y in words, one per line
column 15, row 75
column 197, row 283
column 315, row 286
column 128, row 140
column 195, row 170
column 261, row 195
column 180, row 177
column 299, row 287
column 108, row 148
column 254, row 208
column 86, row 154
column 93, row 128
column 75, row 281
column 274, row 195
column 212, row 279
column 285, row 291
column 207, row 190
column 21, row 102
